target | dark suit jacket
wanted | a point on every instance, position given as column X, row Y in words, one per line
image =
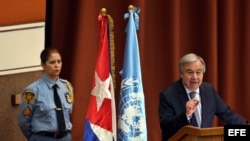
column 172, row 108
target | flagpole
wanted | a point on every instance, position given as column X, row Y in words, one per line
column 131, row 7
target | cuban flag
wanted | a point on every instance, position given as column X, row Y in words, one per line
column 100, row 124
column 131, row 116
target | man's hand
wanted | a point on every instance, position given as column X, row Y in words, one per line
column 191, row 106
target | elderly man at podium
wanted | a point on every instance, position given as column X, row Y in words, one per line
column 190, row 101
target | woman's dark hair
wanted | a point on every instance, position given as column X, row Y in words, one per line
column 46, row 53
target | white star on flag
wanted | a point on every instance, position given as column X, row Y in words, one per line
column 101, row 90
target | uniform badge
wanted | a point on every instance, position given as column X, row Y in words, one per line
column 26, row 111
column 68, row 98
column 29, row 97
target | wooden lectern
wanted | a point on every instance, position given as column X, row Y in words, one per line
column 191, row 133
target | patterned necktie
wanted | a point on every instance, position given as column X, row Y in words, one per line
column 196, row 113
column 59, row 110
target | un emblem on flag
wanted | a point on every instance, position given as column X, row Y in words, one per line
column 132, row 122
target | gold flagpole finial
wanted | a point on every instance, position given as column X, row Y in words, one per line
column 104, row 11
column 131, row 7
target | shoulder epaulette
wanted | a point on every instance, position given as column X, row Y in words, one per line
column 69, row 86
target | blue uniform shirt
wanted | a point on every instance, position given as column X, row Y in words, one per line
column 37, row 109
